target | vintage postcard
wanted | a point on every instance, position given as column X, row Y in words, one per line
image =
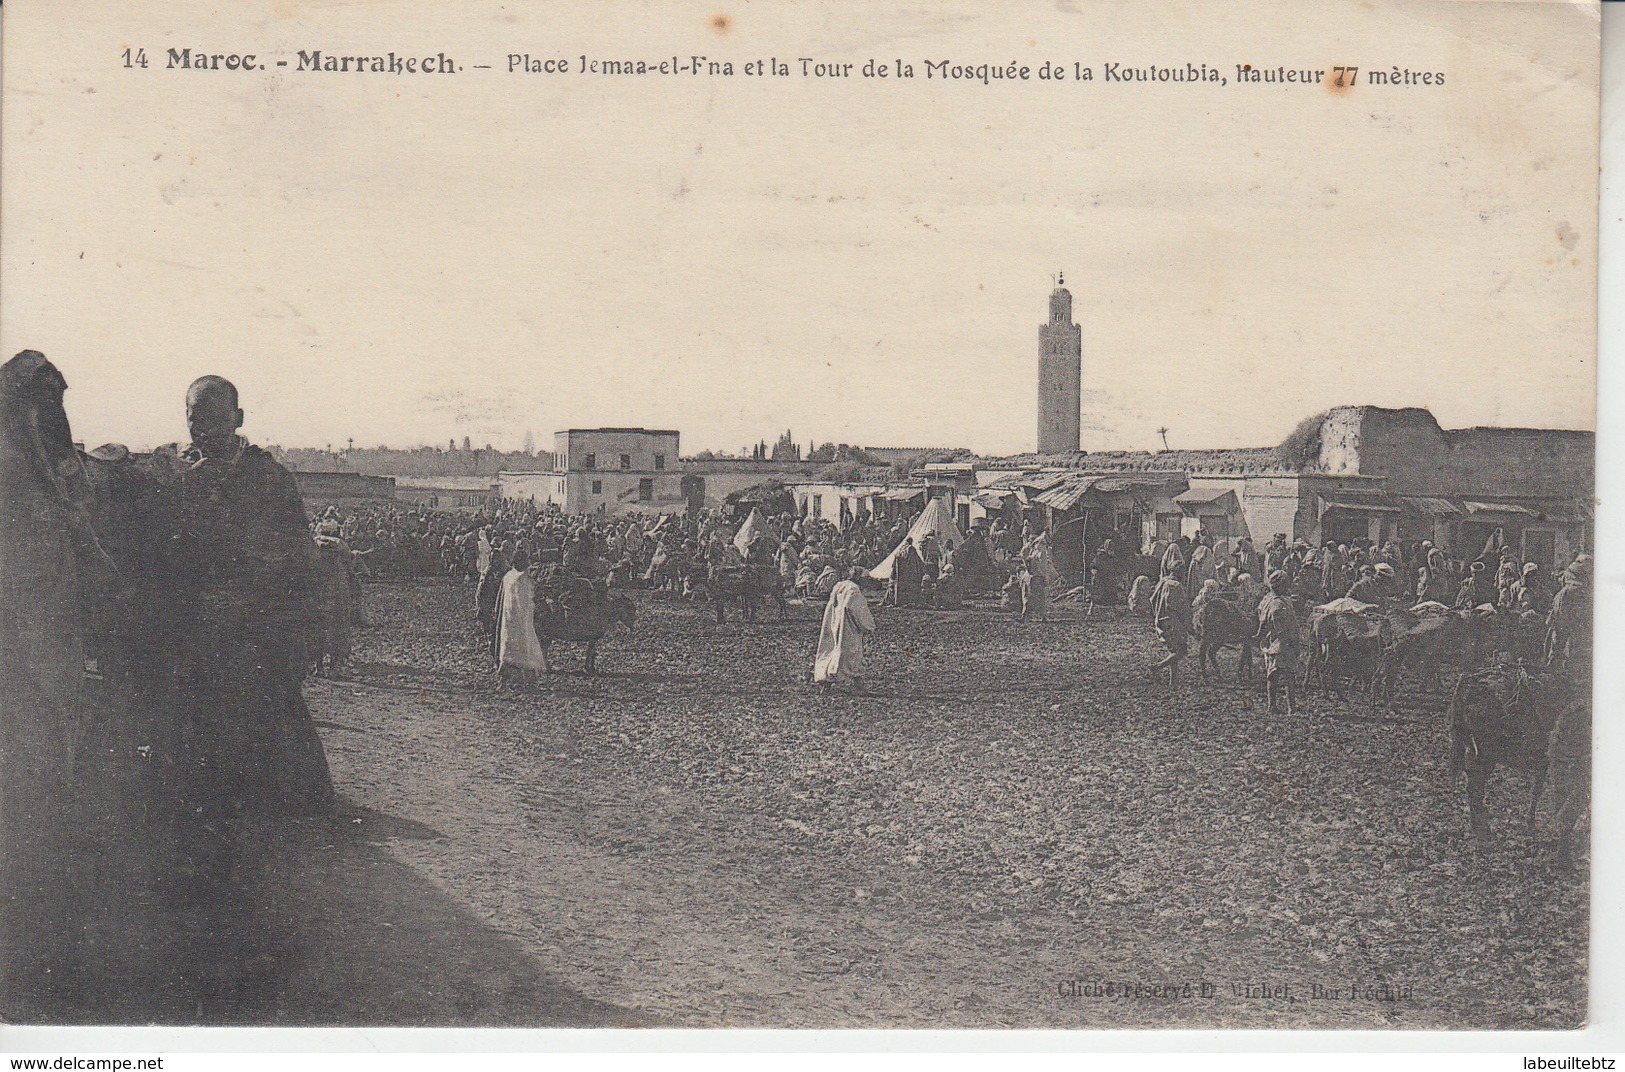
column 798, row 514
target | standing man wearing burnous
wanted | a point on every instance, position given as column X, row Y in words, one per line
column 242, row 564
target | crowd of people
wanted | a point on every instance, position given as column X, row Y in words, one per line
column 529, row 559
column 572, row 561
column 1299, row 577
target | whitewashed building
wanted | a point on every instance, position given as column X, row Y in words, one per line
column 606, row 470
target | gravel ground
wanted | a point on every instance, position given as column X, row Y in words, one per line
column 1016, row 827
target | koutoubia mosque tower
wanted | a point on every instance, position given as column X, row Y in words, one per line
column 1060, row 375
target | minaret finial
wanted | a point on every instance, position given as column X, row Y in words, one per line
column 1060, row 279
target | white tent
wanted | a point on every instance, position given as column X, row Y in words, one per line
column 937, row 522
column 755, row 525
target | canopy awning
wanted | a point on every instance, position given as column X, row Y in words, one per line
column 1498, row 508
column 1065, row 495
column 1038, row 483
column 1219, row 500
column 1352, row 500
column 992, row 500
column 1426, row 504
column 1120, row 482
column 1008, row 482
column 903, row 494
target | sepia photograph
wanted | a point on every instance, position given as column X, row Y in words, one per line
column 798, row 514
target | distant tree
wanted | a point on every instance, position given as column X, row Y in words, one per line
column 825, row 453
column 907, row 464
column 706, row 456
column 530, row 441
column 466, row 444
column 839, row 474
column 846, row 452
column 786, row 449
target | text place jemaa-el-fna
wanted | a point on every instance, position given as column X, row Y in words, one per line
column 835, row 735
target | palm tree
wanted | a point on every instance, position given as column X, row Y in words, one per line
column 1163, row 432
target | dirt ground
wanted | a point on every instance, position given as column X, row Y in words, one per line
column 1016, row 827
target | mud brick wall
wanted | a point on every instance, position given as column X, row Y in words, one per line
column 1417, row 457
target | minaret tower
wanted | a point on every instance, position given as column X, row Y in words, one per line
column 1060, row 375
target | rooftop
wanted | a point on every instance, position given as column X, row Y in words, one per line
column 1245, row 461
column 620, row 431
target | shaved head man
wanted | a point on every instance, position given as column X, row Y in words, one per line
column 212, row 414
column 243, row 570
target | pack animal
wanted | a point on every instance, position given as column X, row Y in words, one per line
column 1501, row 715
column 583, row 621
column 748, row 587
column 1343, row 651
column 1438, row 643
column 1221, row 624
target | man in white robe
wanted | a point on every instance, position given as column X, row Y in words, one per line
column 840, row 642
column 519, row 653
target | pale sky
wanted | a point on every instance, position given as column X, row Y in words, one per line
column 413, row 259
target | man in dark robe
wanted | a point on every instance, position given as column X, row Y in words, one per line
column 243, row 564
column 908, row 575
column 973, row 562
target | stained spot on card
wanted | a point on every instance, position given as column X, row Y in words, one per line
column 721, row 23
column 1567, row 236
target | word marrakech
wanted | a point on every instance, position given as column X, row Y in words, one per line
column 185, row 59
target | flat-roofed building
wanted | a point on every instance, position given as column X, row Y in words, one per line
column 606, row 470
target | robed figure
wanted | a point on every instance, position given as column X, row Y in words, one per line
column 242, row 567
column 519, row 650
column 847, row 621
column 49, row 559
